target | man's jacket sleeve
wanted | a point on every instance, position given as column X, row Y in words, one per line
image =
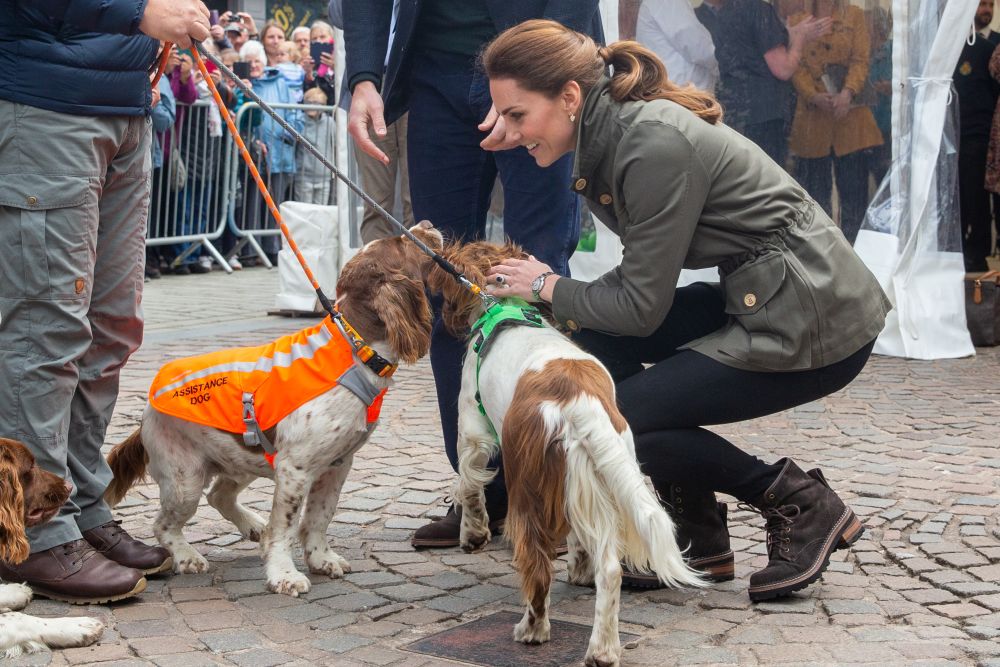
column 366, row 38
column 117, row 17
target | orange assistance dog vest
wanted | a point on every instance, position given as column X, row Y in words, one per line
column 248, row 390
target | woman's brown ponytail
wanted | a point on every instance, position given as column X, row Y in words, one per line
column 544, row 56
column 640, row 75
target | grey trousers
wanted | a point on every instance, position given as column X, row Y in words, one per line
column 73, row 205
column 379, row 181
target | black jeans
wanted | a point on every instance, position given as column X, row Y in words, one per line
column 974, row 202
column 668, row 403
column 851, row 174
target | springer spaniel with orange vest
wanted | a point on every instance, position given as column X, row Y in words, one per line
column 381, row 294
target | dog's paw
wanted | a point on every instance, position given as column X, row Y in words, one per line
column 291, row 583
column 189, row 561
column 73, row 632
column 14, row 597
column 328, row 563
column 473, row 538
column 607, row 657
column 252, row 527
column 527, row 632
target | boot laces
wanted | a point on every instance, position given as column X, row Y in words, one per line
column 79, row 551
column 778, row 526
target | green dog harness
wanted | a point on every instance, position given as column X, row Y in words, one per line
column 505, row 313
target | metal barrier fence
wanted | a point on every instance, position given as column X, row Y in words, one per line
column 204, row 198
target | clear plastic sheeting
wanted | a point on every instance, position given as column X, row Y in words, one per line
column 864, row 121
column 911, row 236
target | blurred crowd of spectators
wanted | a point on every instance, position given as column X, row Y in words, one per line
column 188, row 158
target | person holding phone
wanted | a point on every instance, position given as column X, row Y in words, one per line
column 318, row 59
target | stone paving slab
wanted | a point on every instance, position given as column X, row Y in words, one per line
column 914, row 446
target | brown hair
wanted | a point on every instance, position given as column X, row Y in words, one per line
column 543, row 56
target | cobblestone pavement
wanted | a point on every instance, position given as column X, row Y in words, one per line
column 914, row 446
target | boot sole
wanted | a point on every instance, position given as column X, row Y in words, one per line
column 847, row 531
column 448, row 542
column 713, row 568
column 140, row 586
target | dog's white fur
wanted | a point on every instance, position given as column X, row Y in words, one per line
column 20, row 633
column 316, row 444
column 612, row 514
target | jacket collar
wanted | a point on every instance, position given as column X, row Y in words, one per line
column 597, row 121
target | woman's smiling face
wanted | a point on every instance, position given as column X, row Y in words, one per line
column 539, row 123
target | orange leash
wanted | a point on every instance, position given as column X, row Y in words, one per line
column 162, row 64
column 256, row 176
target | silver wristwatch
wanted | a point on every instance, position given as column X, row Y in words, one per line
column 538, row 284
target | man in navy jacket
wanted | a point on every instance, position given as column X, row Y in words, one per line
column 456, row 148
column 75, row 101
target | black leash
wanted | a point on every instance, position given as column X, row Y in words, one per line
column 438, row 259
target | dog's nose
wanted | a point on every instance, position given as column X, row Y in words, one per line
column 68, row 485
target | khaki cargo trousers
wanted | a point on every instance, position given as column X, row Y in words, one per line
column 74, row 195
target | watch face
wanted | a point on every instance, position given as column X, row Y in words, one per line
column 536, row 284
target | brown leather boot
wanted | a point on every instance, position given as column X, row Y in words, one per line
column 806, row 522
column 444, row 532
column 701, row 529
column 112, row 542
column 75, row 573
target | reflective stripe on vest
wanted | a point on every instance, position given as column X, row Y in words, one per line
column 278, row 377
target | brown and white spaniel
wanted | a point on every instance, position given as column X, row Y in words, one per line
column 569, row 462
column 30, row 496
column 381, row 293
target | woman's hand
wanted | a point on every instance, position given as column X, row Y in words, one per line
column 842, row 103
column 513, row 277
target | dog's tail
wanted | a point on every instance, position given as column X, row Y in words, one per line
column 606, row 485
column 128, row 462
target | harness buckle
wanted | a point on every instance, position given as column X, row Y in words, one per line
column 253, row 436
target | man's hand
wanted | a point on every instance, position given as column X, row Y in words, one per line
column 366, row 115
column 808, row 30
column 248, row 22
column 225, row 18
column 497, row 139
column 327, row 59
column 179, row 21
column 217, row 32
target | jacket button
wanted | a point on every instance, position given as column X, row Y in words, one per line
column 573, row 326
column 605, row 199
column 32, row 201
column 580, row 184
column 750, row 300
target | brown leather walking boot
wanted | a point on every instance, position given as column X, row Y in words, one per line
column 111, row 541
column 700, row 521
column 74, row 572
column 806, row 522
column 444, row 532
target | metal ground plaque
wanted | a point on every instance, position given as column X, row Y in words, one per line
column 489, row 642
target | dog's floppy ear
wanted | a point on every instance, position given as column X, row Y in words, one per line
column 13, row 543
column 402, row 305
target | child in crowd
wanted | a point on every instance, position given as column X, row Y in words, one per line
column 313, row 182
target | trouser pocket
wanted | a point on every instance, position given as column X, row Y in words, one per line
column 48, row 236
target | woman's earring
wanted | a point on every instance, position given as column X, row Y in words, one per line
column 572, row 118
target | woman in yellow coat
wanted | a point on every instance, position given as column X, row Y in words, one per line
column 832, row 126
